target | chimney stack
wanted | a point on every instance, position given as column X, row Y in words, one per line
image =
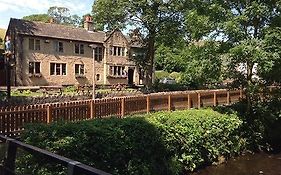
column 52, row 20
column 88, row 23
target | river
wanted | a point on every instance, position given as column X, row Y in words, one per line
column 249, row 164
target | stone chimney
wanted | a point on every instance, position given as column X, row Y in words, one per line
column 52, row 20
column 88, row 23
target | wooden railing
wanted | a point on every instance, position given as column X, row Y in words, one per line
column 13, row 119
column 73, row 167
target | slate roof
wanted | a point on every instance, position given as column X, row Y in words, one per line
column 59, row 31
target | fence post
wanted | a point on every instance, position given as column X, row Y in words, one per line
column 92, row 113
column 199, row 100
column 188, row 101
column 11, row 157
column 147, row 104
column 169, row 102
column 215, row 98
column 227, row 97
column 122, row 107
column 49, row 114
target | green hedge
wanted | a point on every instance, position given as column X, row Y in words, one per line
column 158, row 143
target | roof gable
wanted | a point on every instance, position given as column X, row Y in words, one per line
column 114, row 32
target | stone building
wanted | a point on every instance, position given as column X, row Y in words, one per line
column 54, row 54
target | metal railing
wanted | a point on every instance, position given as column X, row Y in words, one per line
column 73, row 167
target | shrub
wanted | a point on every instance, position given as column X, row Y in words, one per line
column 159, row 143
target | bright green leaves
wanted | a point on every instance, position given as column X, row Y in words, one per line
column 197, row 25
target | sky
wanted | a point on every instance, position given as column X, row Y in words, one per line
column 20, row 8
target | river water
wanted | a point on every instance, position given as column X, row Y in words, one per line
column 249, row 164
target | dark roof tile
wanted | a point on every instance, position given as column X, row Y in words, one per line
column 56, row 31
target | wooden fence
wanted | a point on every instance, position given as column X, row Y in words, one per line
column 13, row 119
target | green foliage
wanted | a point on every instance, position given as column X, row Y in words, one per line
column 203, row 64
column 61, row 15
column 159, row 143
column 37, row 17
column 71, row 89
column 261, row 126
column 169, row 59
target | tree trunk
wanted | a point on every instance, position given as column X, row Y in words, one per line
column 249, row 84
column 150, row 59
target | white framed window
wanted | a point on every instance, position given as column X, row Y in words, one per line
column 79, row 69
column 34, row 67
column 57, row 68
column 79, row 48
column 118, row 71
column 58, row 46
column 34, row 44
column 118, row 51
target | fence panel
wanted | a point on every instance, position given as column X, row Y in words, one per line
column 13, row 119
column 235, row 96
column 70, row 111
column 135, row 105
column 179, row 101
column 207, row 98
column 222, row 97
column 158, row 103
column 107, row 107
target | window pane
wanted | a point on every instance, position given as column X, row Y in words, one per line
column 60, row 47
column 76, row 69
column 115, row 51
column 123, row 51
column 77, row 48
column 31, row 67
column 115, row 70
column 63, row 69
column 82, row 69
column 58, row 69
column 98, row 77
column 52, row 69
column 37, row 44
column 81, row 48
column 119, row 51
column 37, row 67
column 31, row 44
column 119, row 70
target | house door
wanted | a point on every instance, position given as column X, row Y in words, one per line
column 131, row 76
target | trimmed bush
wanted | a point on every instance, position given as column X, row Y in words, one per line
column 158, row 144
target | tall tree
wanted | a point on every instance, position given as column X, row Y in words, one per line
column 244, row 27
column 61, row 15
column 150, row 16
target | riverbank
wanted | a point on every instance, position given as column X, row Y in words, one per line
column 248, row 164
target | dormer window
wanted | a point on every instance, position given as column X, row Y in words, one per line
column 79, row 48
